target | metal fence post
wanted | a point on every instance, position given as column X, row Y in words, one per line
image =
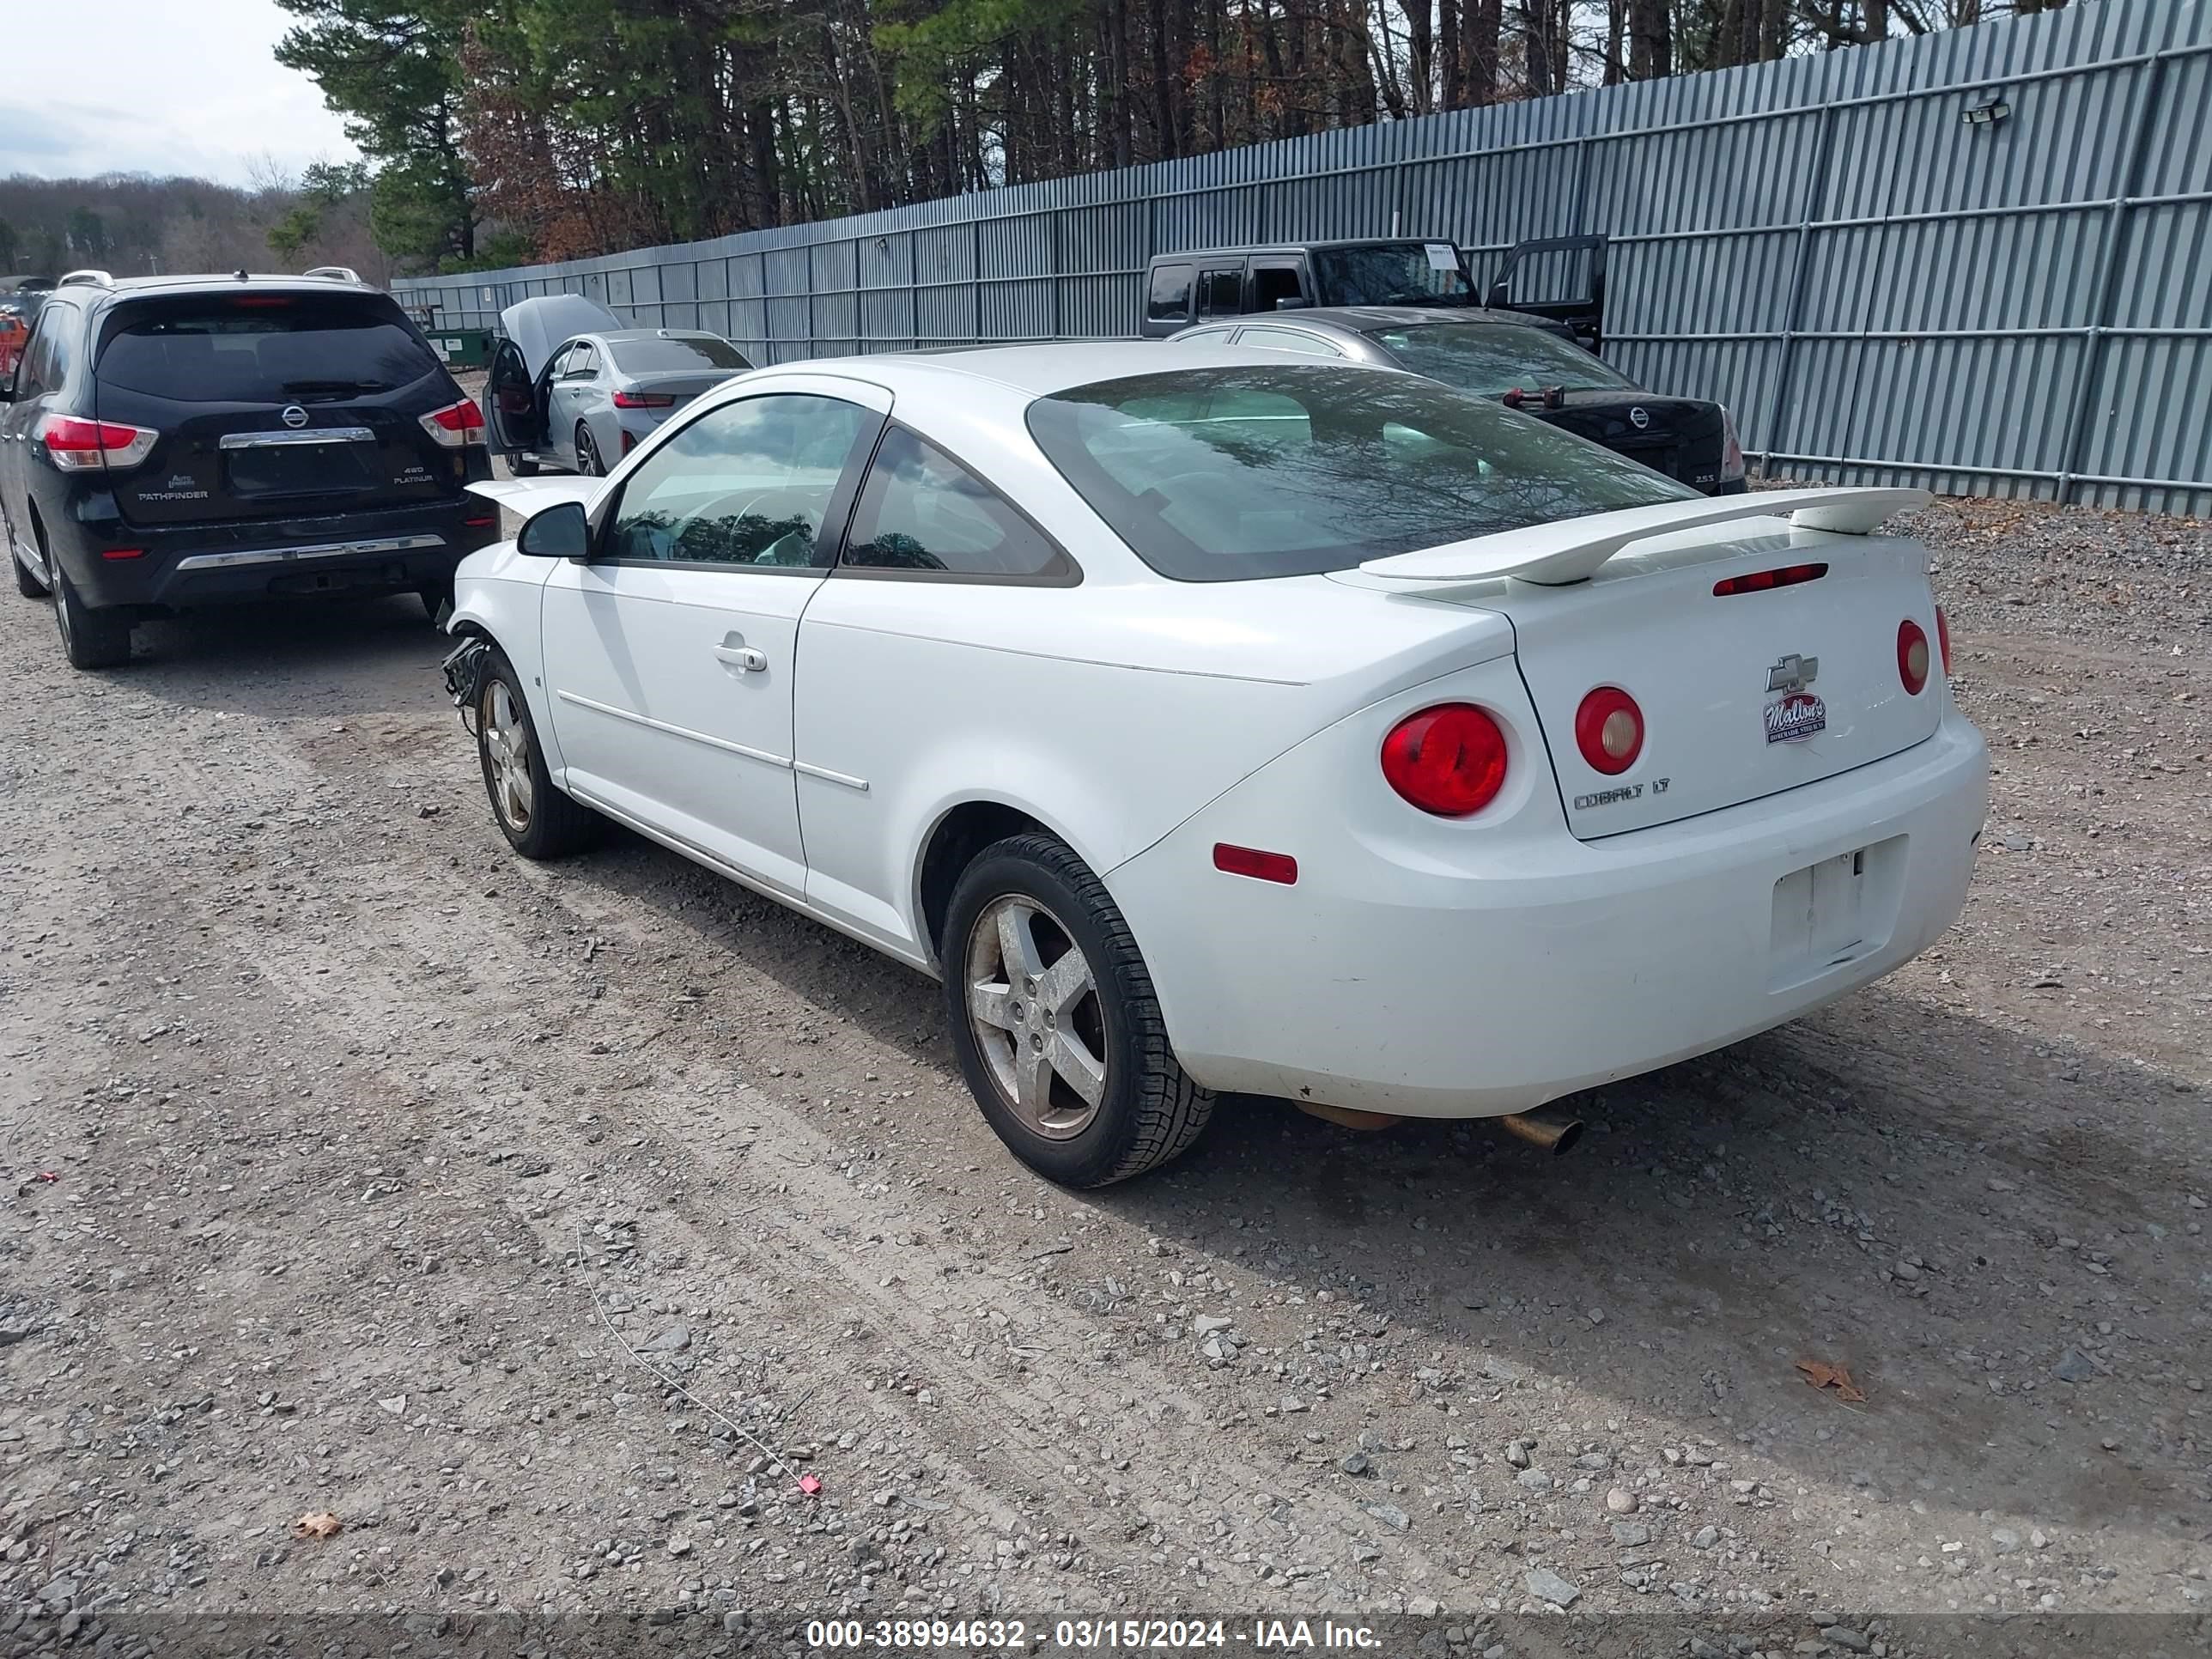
column 975, row 273
column 1052, row 235
column 1816, row 198
column 2152, row 82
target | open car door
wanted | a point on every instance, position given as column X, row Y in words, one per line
column 1561, row 277
column 512, row 416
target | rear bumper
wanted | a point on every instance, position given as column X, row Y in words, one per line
column 1391, row 979
column 183, row 567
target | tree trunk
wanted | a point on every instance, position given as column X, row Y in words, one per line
column 1651, row 39
column 1451, row 63
column 1484, row 24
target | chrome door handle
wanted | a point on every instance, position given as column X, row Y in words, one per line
column 743, row 658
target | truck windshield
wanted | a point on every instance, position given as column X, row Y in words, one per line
column 1392, row 274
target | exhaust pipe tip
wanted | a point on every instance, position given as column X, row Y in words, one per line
column 1556, row 1136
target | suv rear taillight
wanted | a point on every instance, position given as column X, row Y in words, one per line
column 1731, row 451
column 645, row 400
column 1448, row 760
column 78, row 446
column 456, row 424
column 1912, row 656
column 1943, row 639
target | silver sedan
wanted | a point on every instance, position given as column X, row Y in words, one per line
column 599, row 394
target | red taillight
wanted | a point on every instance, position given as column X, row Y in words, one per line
column 1912, row 656
column 1758, row 581
column 122, row 552
column 456, row 424
column 1448, row 760
column 629, row 440
column 643, row 400
column 77, row 446
column 1943, row 639
column 482, row 521
column 1250, row 861
column 1609, row 730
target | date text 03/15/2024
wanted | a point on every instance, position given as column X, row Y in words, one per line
column 1087, row 1635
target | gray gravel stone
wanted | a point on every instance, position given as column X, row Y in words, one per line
column 1548, row 1586
column 2075, row 1366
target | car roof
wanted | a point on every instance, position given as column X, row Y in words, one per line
column 217, row 282
column 621, row 335
column 1361, row 319
column 1303, row 247
column 1040, row 371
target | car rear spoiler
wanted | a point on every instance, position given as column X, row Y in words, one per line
column 523, row 496
column 1572, row 549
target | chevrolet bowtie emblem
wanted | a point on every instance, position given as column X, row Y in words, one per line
column 1793, row 674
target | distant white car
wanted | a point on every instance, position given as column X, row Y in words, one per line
column 1210, row 720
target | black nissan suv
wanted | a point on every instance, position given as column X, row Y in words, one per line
column 177, row 441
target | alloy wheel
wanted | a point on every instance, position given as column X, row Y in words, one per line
column 1034, row 1007
column 506, row 756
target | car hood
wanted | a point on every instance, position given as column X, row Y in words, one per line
column 538, row 326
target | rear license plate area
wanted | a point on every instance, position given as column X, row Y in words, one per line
column 301, row 470
column 1831, row 913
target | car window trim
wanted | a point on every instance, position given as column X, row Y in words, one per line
column 838, row 512
column 1069, row 575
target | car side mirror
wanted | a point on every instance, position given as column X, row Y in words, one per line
column 1292, row 302
column 561, row 532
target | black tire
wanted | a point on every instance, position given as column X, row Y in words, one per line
column 549, row 824
column 26, row 584
column 588, row 463
column 91, row 638
column 1149, row 1110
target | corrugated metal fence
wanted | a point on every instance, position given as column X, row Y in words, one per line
column 1882, row 289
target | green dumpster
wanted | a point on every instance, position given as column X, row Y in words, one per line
column 461, row 348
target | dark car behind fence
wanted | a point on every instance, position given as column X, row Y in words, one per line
column 1979, row 260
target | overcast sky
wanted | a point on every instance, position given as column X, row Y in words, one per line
column 155, row 86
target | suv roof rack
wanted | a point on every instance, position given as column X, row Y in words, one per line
column 88, row 277
column 336, row 273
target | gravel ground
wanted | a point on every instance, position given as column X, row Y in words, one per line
column 601, row 1239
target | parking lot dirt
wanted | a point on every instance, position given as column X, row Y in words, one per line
column 356, row 1167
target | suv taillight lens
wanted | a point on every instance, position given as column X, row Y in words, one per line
column 77, row 446
column 1912, row 656
column 1943, row 639
column 644, row 400
column 456, row 424
column 1448, row 760
column 1731, row 451
column 1609, row 730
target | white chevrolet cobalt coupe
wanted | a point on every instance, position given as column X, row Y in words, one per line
column 1210, row 720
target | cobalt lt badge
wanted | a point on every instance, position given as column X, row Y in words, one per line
column 1796, row 714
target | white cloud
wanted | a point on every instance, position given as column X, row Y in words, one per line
column 161, row 87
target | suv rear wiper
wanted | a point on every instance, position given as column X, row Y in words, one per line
column 338, row 385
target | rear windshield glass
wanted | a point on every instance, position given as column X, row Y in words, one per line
column 1493, row 359
column 1225, row 474
column 1393, row 274
column 264, row 348
column 675, row 357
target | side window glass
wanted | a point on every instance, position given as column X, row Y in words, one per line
column 1288, row 339
column 746, row 483
column 559, row 365
column 1273, row 282
column 1221, row 294
column 583, row 363
column 30, row 375
column 1170, row 300
column 921, row 510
